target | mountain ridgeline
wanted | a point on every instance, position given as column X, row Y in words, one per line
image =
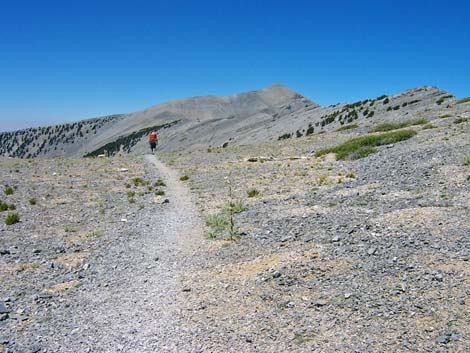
column 272, row 113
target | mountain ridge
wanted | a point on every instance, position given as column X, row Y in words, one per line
column 211, row 121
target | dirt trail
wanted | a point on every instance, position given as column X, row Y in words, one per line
column 135, row 298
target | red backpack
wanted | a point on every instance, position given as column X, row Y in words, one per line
column 153, row 136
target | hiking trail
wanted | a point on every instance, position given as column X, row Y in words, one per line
column 134, row 300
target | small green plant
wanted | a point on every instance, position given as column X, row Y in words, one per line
column 69, row 229
column 363, row 146
column 466, row 160
column 386, row 101
column 217, row 220
column 32, row 201
column 159, row 182
column 141, row 193
column 252, row 193
column 130, row 194
column 429, row 126
column 131, row 200
column 137, row 181
column 351, row 175
column 235, row 206
column 322, row 179
column 184, row 178
column 8, row 190
column 128, row 186
column 12, row 218
column 160, row 193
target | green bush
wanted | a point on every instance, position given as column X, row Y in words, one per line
column 236, row 206
column 159, row 182
column 8, row 190
column 252, row 193
column 284, row 137
column 138, row 181
column 32, row 201
column 12, row 218
column 347, row 127
column 460, row 120
column 160, row 193
column 394, row 126
column 184, row 178
column 363, row 146
column 218, row 221
column 466, row 160
column 130, row 194
column 429, row 126
column 310, row 130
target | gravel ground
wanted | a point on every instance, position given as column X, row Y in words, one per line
column 358, row 256
column 369, row 255
column 124, row 295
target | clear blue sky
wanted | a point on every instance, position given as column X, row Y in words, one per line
column 68, row 60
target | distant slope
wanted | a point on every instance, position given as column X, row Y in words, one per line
column 210, row 121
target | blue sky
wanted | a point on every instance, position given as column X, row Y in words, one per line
column 69, row 60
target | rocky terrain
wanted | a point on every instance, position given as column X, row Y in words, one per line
column 269, row 114
column 289, row 244
column 369, row 255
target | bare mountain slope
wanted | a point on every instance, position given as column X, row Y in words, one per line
column 210, row 121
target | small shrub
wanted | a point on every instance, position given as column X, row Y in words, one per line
column 141, row 193
column 351, row 175
column 138, row 181
column 11, row 207
column 3, row 207
column 284, row 137
column 235, row 206
column 69, row 229
column 394, row 126
column 429, row 126
column 252, row 193
column 445, row 116
column 386, row 101
column 217, row 221
column 322, row 179
column 130, row 194
column 310, row 130
column 463, row 100
column 466, row 160
column 460, row 120
column 128, row 186
column 184, row 178
column 32, row 201
column 347, row 127
column 360, row 147
column 131, row 200
column 8, row 190
column 160, row 193
column 12, row 218
column 159, row 182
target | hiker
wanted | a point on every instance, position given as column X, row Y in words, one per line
column 153, row 140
